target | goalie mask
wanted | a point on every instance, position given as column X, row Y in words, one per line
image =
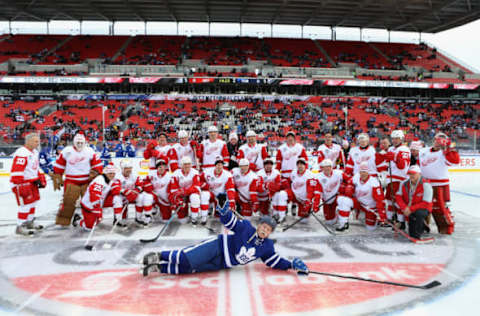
column 79, row 142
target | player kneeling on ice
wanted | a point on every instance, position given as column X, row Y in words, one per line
column 92, row 200
column 245, row 245
column 414, row 198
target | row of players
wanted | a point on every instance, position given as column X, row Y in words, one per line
column 253, row 192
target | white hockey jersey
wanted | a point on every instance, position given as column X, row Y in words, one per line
column 254, row 154
column 358, row 155
column 212, row 150
column 95, row 194
column 221, row 183
column 25, row 166
column 246, row 185
column 161, row 186
column 77, row 164
column 302, row 185
column 330, row 184
column 273, row 176
column 162, row 150
column 334, row 153
column 177, row 152
column 287, row 157
column 127, row 183
column 367, row 193
column 434, row 165
column 185, row 181
column 401, row 153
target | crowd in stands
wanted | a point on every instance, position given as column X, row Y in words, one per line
column 271, row 119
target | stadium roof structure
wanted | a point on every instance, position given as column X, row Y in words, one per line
column 397, row 15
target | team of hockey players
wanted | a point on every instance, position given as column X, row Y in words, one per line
column 393, row 183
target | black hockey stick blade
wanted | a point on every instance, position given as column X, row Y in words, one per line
column 89, row 247
column 423, row 287
column 164, row 228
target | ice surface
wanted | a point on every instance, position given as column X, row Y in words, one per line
column 54, row 275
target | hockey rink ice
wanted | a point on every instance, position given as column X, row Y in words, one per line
column 53, row 274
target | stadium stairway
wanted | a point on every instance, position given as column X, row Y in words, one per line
column 324, row 52
column 123, row 48
column 54, row 49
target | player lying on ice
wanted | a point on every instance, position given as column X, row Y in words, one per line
column 246, row 244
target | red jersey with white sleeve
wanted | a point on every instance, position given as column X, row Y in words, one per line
column 287, row 157
column 434, row 165
column 331, row 184
column 369, row 193
column 304, row 185
column 25, row 166
column 267, row 180
column 357, row 155
column 162, row 186
column 159, row 151
column 177, row 152
column 400, row 163
column 247, row 185
column 209, row 151
column 333, row 152
column 95, row 194
column 219, row 183
column 255, row 154
column 77, row 164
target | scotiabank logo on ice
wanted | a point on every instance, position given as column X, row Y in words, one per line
column 268, row 291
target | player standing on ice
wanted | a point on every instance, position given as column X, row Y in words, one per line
column 80, row 165
column 245, row 245
column 253, row 152
column 156, row 149
column 434, row 163
column 25, row 180
column 288, row 155
column 329, row 150
column 212, row 148
column 414, row 198
column 364, row 152
column 181, row 149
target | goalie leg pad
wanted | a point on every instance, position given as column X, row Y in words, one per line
column 440, row 212
column 70, row 197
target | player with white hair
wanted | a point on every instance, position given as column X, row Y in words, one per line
column 80, row 164
column 364, row 152
column 288, row 154
column 248, row 184
column 181, row 149
column 255, row 153
column 212, row 148
column 185, row 184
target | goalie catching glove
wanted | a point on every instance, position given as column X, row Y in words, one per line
column 299, row 266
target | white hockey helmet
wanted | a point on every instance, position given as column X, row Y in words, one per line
column 182, row 134
column 416, row 145
column 79, row 141
column 185, row 160
column 251, row 133
column 363, row 167
column 326, row 163
column 126, row 163
column 233, row 135
column 397, row 134
column 212, row 128
column 244, row 162
column 110, row 168
column 440, row 134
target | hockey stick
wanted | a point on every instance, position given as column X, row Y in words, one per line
column 422, row 287
column 87, row 246
column 323, row 225
column 164, row 228
column 412, row 239
column 125, row 209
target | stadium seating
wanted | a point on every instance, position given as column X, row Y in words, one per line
column 154, row 50
column 28, row 46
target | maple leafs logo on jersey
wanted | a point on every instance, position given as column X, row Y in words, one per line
column 245, row 256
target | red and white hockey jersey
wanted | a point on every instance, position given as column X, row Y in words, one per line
column 334, row 153
column 369, row 193
column 287, row 157
column 267, row 179
column 95, row 194
column 188, row 183
column 400, row 164
column 304, row 185
column 25, row 166
column 331, row 184
column 77, row 164
column 218, row 183
column 434, row 165
column 209, row 151
column 247, row 185
column 162, row 186
column 358, row 155
column 177, row 152
column 158, row 152
column 254, row 154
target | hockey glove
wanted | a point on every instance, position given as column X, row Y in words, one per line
column 390, row 156
column 223, row 210
column 299, row 266
column 43, row 181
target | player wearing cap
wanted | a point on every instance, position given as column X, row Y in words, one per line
column 247, row 184
column 414, row 198
column 94, row 197
column 331, row 181
column 156, row 148
column 329, row 150
column 80, row 164
column 185, row 184
column 414, row 152
column 212, row 148
column 434, row 162
column 288, row 154
column 271, row 193
column 245, row 245
column 233, row 146
column 364, row 152
column 398, row 160
column 253, row 152
column 214, row 182
column 181, row 149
